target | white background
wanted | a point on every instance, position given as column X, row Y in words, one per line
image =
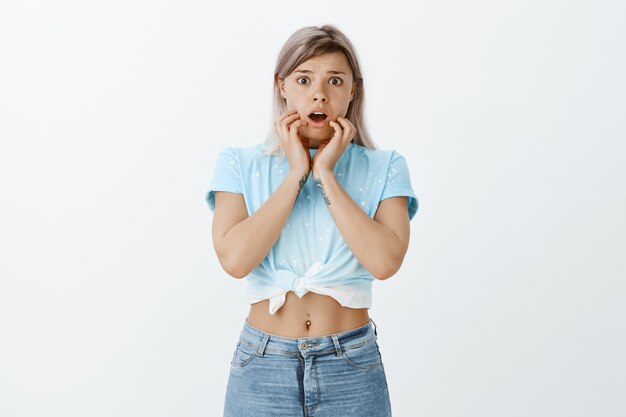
column 511, row 300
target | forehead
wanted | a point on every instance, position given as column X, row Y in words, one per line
column 326, row 62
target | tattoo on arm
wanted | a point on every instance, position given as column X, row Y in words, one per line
column 318, row 183
column 301, row 182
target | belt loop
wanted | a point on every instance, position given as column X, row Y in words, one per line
column 261, row 350
column 375, row 332
column 336, row 343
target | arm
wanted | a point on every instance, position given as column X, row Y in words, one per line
column 379, row 244
column 241, row 241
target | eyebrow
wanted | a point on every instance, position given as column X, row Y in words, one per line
column 328, row 72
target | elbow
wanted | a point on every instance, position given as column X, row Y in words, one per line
column 230, row 258
column 388, row 265
column 236, row 273
column 387, row 268
column 233, row 268
column 383, row 274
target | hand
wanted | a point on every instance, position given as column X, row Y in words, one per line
column 296, row 147
column 330, row 150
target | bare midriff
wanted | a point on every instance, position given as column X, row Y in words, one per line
column 312, row 315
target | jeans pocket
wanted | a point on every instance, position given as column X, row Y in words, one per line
column 243, row 355
column 366, row 356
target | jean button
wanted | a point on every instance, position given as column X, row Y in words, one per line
column 303, row 345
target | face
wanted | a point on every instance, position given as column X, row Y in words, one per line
column 323, row 83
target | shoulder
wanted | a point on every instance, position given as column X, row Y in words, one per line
column 373, row 157
column 244, row 153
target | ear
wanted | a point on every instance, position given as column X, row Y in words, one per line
column 281, row 87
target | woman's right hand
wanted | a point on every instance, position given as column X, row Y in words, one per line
column 296, row 147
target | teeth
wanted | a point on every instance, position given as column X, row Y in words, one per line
column 317, row 112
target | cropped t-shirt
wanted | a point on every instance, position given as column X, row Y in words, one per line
column 311, row 254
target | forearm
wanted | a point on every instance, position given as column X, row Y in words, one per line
column 248, row 242
column 374, row 245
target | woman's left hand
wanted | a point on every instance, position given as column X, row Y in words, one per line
column 330, row 150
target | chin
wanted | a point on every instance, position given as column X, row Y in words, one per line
column 319, row 134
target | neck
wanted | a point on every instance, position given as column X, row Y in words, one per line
column 314, row 143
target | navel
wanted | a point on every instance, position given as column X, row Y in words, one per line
column 308, row 322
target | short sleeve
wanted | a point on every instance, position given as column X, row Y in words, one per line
column 398, row 183
column 226, row 176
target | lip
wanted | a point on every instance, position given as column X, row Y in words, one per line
column 315, row 124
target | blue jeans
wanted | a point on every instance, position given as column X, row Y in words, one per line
column 339, row 375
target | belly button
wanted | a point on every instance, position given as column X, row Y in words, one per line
column 308, row 323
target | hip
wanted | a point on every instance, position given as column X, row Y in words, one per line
column 337, row 375
column 310, row 316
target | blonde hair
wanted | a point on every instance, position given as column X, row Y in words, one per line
column 305, row 43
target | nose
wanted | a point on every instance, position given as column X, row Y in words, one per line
column 319, row 95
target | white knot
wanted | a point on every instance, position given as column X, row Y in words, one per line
column 300, row 284
column 301, row 281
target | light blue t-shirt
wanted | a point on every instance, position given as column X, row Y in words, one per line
column 311, row 254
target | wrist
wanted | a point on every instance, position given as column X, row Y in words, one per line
column 298, row 172
column 323, row 174
column 299, row 177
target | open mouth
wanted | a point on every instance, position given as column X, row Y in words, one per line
column 318, row 119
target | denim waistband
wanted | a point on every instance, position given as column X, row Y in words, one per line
column 264, row 342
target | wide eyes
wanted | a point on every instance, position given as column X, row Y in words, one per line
column 339, row 81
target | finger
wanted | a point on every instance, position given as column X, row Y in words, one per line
column 287, row 114
column 283, row 117
column 347, row 124
column 289, row 119
column 283, row 132
column 283, row 126
column 349, row 129
column 337, row 135
column 293, row 129
column 303, row 121
column 337, row 128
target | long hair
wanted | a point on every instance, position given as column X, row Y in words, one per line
column 305, row 43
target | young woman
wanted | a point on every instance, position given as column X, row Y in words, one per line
column 310, row 218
